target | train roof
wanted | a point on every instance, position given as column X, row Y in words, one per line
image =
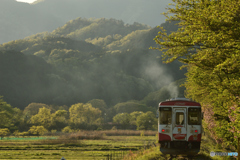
column 179, row 102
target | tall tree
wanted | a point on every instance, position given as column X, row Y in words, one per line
column 146, row 121
column 43, row 118
column 123, row 119
column 33, row 108
column 133, row 117
column 59, row 119
column 98, row 103
column 208, row 43
column 6, row 114
column 83, row 114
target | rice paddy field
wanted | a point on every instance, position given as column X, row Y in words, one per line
column 96, row 145
column 78, row 146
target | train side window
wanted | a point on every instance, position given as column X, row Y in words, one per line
column 179, row 118
column 194, row 116
column 165, row 115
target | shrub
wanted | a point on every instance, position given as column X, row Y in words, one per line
column 4, row 132
column 67, row 129
column 37, row 130
column 23, row 134
column 53, row 131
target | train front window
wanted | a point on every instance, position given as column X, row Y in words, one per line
column 165, row 115
column 179, row 118
column 194, row 116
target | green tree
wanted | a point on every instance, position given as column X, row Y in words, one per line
column 67, row 129
column 83, row 114
column 43, row 118
column 98, row 103
column 4, row 132
column 59, row 119
column 208, row 43
column 133, row 117
column 6, row 114
column 147, row 121
column 123, row 119
column 23, row 134
column 33, row 108
column 38, row 130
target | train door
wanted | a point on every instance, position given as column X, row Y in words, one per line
column 179, row 124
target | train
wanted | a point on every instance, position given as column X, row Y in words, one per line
column 179, row 127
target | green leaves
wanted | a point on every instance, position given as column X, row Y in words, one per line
column 208, row 43
column 143, row 121
column 4, row 132
column 37, row 130
column 83, row 114
column 43, row 118
column 7, row 114
column 123, row 119
column 146, row 121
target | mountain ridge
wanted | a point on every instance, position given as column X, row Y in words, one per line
column 20, row 20
column 82, row 71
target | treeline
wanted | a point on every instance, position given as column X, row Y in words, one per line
column 39, row 118
column 116, row 67
column 208, row 44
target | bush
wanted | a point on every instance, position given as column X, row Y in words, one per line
column 16, row 133
column 37, row 130
column 86, row 135
column 67, row 129
column 23, row 134
column 4, row 132
column 53, row 131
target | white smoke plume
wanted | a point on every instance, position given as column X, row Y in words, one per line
column 159, row 76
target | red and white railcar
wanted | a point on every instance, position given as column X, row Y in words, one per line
column 179, row 126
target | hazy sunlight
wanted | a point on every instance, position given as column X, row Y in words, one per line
column 27, row 1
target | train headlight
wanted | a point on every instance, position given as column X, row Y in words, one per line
column 163, row 130
column 196, row 131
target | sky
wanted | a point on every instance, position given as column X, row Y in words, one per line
column 27, row 1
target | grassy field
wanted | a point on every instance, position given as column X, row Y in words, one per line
column 74, row 147
column 105, row 145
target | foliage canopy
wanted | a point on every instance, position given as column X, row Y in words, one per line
column 208, row 43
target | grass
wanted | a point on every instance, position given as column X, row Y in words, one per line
column 207, row 145
column 81, row 145
column 96, row 145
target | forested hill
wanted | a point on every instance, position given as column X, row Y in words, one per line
column 85, row 59
column 19, row 20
